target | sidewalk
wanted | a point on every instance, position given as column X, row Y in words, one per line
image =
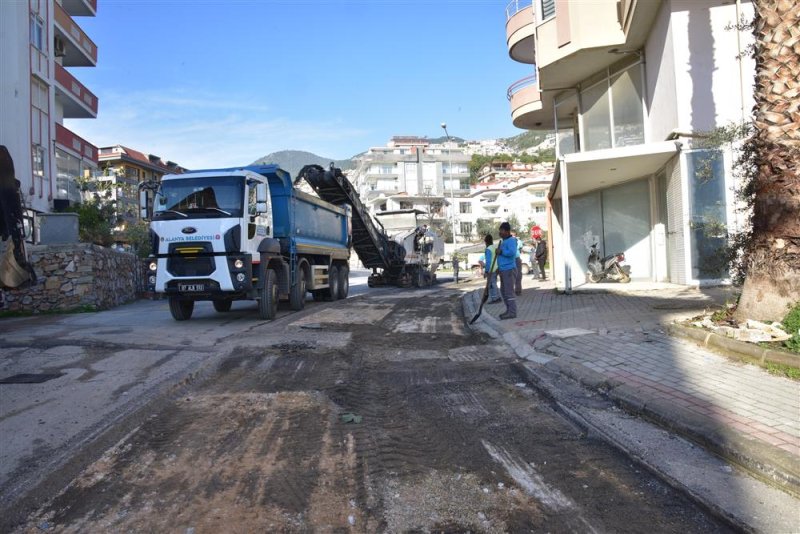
column 615, row 344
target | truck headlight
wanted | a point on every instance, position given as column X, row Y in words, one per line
column 153, row 266
column 240, row 277
column 238, row 264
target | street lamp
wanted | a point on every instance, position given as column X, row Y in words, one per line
column 452, row 197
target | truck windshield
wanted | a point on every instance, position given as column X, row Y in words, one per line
column 212, row 197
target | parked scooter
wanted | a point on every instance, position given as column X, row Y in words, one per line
column 609, row 267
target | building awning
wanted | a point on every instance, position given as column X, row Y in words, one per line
column 600, row 169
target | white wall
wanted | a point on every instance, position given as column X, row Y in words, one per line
column 15, row 103
column 710, row 90
column 661, row 99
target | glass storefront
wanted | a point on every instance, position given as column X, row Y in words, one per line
column 708, row 218
column 618, row 220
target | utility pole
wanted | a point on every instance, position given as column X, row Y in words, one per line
column 452, row 197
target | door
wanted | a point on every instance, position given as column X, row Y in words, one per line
column 258, row 224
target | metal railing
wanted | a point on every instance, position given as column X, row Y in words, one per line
column 515, row 87
column 515, row 6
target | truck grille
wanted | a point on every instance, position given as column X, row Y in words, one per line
column 194, row 259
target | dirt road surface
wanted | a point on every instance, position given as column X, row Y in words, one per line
column 414, row 424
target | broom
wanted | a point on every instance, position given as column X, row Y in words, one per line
column 486, row 289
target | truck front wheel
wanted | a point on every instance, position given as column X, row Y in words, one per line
column 181, row 310
column 268, row 296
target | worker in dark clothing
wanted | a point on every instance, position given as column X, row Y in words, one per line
column 541, row 257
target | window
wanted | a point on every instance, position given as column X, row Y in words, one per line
column 406, row 205
column 596, row 119
column 252, row 196
column 387, row 184
column 539, row 194
column 465, row 207
column 39, row 95
column 382, row 169
column 37, row 152
column 68, row 169
column 548, row 8
column 201, row 197
column 622, row 93
column 708, row 220
column 37, row 32
column 539, row 209
column 466, row 229
column 626, row 97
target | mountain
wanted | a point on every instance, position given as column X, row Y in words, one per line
column 294, row 160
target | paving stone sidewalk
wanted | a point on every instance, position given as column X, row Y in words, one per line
column 614, row 342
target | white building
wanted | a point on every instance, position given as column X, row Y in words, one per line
column 411, row 173
column 487, row 147
column 507, row 190
column 39, row 41
column 629, row 88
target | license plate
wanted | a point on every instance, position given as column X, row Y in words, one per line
column 191, row 287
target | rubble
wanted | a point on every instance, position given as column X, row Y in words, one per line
column 751, row 332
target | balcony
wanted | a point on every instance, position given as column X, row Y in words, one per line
column 79, row 50
column 575, row 43
column 75, row 145
column 80, row 8
column 521, row 31
column 78, row 102
column 530, row 108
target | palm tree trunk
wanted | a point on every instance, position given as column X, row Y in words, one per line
column 772, row 285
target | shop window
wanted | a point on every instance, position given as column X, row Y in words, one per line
column 708, row 220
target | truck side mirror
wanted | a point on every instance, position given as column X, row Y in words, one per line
column 261, row 198
column 143, row 211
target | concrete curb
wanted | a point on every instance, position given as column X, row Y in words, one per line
column 763, row 461
column 694, row 471
column 733, row 348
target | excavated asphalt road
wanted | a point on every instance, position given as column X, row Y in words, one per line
column 377, row 414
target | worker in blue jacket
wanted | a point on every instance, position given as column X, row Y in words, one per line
column 490, row 268
column 507, row 267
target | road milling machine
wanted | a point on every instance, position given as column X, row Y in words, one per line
column 399, row 248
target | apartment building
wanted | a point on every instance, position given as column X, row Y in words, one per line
column 508, row 190
column 413, row 173
column 121, row 170
column 43, row 47
column 630, row 89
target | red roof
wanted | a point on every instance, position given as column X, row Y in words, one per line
column 134, row 156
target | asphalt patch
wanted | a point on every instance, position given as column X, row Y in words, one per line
column 28, row 378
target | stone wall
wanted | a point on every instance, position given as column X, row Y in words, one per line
column 76, row 275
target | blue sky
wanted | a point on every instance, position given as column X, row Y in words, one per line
column 223, row 82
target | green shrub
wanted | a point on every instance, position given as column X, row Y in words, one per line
column 95, row 222
column 791, row 323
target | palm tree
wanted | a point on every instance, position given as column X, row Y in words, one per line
column 772, row 285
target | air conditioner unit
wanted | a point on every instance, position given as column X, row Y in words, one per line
column 59, row 49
